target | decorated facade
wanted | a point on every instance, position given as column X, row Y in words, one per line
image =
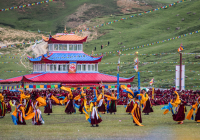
column 66, row 64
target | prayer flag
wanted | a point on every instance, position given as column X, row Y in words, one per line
column 180, row 48
column 151, row 82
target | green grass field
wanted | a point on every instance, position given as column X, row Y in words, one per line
column 119, row 126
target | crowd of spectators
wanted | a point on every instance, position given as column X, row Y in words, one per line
column 161, row 97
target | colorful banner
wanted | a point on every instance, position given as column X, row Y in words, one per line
column 29, row 42
column 72, row 67
column 128, row 72
column 27, row 5
column 151, row 63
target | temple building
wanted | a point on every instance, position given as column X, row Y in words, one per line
column 66, row 64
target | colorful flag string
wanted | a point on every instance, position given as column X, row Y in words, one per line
column 146, row 12
column 27, row 5
column 128, row 72
column 28, row 42
column 152, row 63
column 142, row 46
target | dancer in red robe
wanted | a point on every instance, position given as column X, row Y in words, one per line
column 48, row 107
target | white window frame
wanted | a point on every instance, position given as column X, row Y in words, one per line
column 53, row 46
column 47, row 66
column 79, row 65
column 49, row 46
column 78, row 47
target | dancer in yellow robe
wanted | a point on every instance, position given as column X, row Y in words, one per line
column 2, row 106
column 179, row 114
column 18, row 116
column 94, row 117
column 36, row 103
column 195, row 107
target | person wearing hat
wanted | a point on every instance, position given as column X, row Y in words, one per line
column 147, row 108
column 136, row 111
column 195, row 107
column 48, row 97
column 94, row 117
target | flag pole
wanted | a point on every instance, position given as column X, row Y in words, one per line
column 180, row 78
column 118, row 75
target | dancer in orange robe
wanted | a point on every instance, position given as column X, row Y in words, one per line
column 195, row 107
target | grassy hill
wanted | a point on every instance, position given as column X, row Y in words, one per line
column 149, row 28
column 140, row 30
column 53, row 16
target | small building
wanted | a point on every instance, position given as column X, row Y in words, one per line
column 65, row 64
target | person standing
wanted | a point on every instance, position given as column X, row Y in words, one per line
column 48, row 97
column 147, row 108
column 108, row 43
column 179, row 114
column 136, row 111
column 113, row 102
column 101, row 47
column 196, row 107
column 95, row 48
column 2, row 106
column 94, row 117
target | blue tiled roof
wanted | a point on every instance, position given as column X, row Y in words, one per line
column 66, row 57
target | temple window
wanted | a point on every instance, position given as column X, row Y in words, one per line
column 79, row 47
column 65, row 47
column 96, row 67
column 89, row 69
column 53, row 67
column 75, row 47
column 71, row 47
column 62, row 67
column 43, row 67
column 92, row 68
column 60, row 47
column 78, row 67
column 48, row 67
column 50, row 47
column 83, row 68
column 56, row 46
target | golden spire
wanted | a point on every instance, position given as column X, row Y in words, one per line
column 65, row 31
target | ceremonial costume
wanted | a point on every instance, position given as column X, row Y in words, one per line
column 130, row 103
column 36, row 102
column 179, row 114
column 19, row 117
column 48, row 107
column 26, row 99
column 136, row 111
column 94, row 117
column 145, row 101
column 112, row 103
column 101, row 102
column 195, row 107
column 2, row 106
column 69, row 100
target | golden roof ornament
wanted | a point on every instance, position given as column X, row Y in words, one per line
column 65, row 31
